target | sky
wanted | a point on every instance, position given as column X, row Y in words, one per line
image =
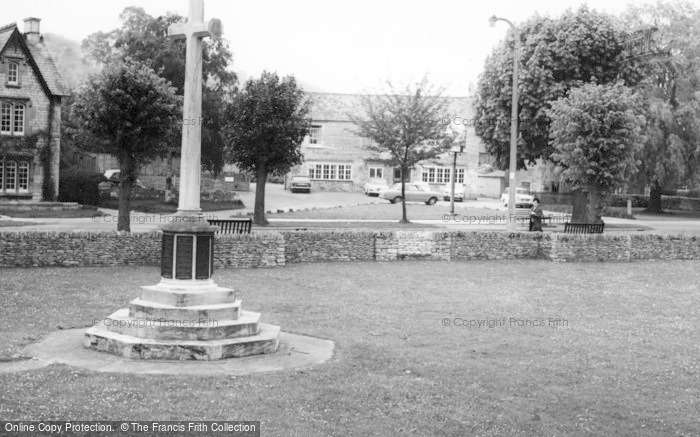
column 331, row 46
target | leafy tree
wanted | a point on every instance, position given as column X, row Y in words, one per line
column 671, row 155
column 556, row 55
column 145, row 38
column 405, row 128
column 131, row 112
column 267, row 122
column 596, row 133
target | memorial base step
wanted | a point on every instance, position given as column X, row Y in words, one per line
column 101, row 339
column 169, row 328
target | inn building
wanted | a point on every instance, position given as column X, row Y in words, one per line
column 31, row 91
column 336, row 158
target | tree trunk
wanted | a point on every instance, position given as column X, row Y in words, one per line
column 595, row 204
column 126, row 183
column 259, row 211
column 580, row 207
column 654, row 204
column 404, row 219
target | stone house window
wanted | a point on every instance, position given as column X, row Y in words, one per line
column 315, row 135
column 13, row 73
column 330, row 172
column 376, row 172
column 12, row 118
column 14, row 176
column 441, row 175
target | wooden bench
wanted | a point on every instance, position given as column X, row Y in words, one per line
column 233, row 226
column 584, row 228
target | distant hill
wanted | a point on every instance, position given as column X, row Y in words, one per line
column 68, row 57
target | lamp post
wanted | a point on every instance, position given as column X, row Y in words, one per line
column 455, row 150
column 513, row 124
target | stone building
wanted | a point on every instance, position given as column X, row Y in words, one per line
column 335, row 157
column 31, row 90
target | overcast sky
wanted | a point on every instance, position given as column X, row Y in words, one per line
column 332, row 46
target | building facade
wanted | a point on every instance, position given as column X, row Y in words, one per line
column 31, row 90
column 336, row 158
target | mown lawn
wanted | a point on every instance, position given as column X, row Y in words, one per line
column 154, row 206
column 625, row 363
column 84, row 211
column 387, row 211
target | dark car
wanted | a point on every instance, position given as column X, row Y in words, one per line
column 415, row 192
column 300, row 183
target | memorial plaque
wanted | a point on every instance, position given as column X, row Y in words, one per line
column 183, row 259
column 202, row 268
column 166, row 258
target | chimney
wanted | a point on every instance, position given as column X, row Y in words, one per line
column 31, row 30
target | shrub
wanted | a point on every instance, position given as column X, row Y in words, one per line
column 80, row 186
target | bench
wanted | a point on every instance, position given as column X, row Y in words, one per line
column 584, row 228
column 233, row 226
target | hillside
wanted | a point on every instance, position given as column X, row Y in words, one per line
column 68, row 57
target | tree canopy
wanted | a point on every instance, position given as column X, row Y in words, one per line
column 405, row 127
column 266, row 124
column 131, row 112
column 145, row 39
column 556, row 56
column 671, row 154
column 596, row 133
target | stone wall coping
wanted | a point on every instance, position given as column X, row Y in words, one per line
column 275, row 235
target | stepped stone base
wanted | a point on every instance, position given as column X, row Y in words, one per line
column 183, row 320
column 266, row 341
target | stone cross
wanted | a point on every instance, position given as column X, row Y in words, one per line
column 190, row 161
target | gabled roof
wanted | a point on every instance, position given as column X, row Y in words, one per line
column 6, row 33
column 340, row 107
column 39, row 59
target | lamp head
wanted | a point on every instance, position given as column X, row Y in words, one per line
column 492, row 21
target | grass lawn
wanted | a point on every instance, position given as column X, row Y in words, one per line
column 85, row 211
column 343, row 225
column 15, row 223
column 154, row 206
column 388, row 211
column 625, row 364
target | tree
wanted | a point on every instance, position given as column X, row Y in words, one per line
column 131, row 112
column 556, row 56
column 596, row 134
column 670, row 156
column 267, row 122
column 405, row 128
column 145, row 39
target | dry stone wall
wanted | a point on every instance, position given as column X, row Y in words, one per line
column 272, row 249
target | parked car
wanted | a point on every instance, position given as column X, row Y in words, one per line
column 414, row 193
column 522, row 198
column 459, row 192
column 375, row 186
column 114, row 176
column 300, row 183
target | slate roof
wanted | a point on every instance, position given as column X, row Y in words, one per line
column 339, row 107
column 42, row 61
column 6, row 33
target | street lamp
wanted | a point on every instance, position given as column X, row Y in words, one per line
column 513, row 124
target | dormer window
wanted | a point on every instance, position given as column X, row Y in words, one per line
column 13, row 73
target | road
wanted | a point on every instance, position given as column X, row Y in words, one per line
column 276, row 198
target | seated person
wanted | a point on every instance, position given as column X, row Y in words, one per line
column 536, row 215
